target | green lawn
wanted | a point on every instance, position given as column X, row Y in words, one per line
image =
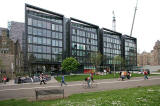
column 141, row 96
column 96, row 77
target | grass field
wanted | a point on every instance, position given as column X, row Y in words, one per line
column 141, row 96
column 96, row 77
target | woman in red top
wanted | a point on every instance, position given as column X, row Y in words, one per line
column 4, row 79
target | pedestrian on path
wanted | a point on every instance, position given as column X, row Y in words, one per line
column 128, row 75
column 88, row 80
column 145, row 75
column 62, row 81
column 42, row 79
column 91, row 75
column 4, row 79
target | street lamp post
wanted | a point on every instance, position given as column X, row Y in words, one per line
column 114, row 69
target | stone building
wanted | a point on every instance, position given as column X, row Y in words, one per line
column 16, row 31
column 11, row 49
column 152, row 58
column 156, row 54
column 7, row 52
column 144, row 59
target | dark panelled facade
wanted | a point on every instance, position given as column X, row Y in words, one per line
column 83, row 41
column 50, row 37
column 130, row 52
column 44, row 38
column 111, row 42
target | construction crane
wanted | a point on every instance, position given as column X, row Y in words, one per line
column 114, row 22
column 134, row 18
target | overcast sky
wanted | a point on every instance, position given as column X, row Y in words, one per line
column 99, row 12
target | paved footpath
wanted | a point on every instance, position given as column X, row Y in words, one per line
column 28, row 90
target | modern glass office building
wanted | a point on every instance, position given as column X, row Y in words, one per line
column 44, row 34
column 83, row 40
column 111, row 46
column 130, row 52
column 50, row 37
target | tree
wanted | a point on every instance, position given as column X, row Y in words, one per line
column 70, row 64
column 96, row 59
column 118, row 61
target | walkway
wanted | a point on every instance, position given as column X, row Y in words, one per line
column 27, row 90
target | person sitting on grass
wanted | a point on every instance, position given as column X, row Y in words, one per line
column 123, row 75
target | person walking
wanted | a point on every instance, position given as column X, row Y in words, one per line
column 145, row 75
column 4, row 79
column 91, row 75
column 128, row 75
column 42, row 79
column 88, row 80
column 62, row 81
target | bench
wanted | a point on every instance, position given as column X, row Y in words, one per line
column 50, row 91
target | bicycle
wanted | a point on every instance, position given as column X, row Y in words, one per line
column 92, row 84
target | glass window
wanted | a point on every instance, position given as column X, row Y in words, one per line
column 34, row 48
column 53, row 57
column 48, row 25
column 53, row 27
column 29, row 30
column 56, row 43
column 95, row 36
column 39, row 40
column 29, row 48
column 34, row 22
column 44, row 32
column 48, row 41
column 78, row 39
column 44, row 24
column 48, row 57
column 44, row 41
column 57, row 35
column 73, row 38
column 39, row 49
column 73, row 31
column 60, row 43
column 44, row 56
column 60, row 51
column 53, row 34
column 84, row 40
column 34, row 31
column 40, row 32
column 56, row 27
column 29, row 39
column 34, row 39
column 53, row 42
column 48, row 49
column 48, row 33
column 60, row 35
column 78, row 32
column 29, row 21
column 60, row 28
column 39, row 56
column 44, row 49
column 39, row 23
